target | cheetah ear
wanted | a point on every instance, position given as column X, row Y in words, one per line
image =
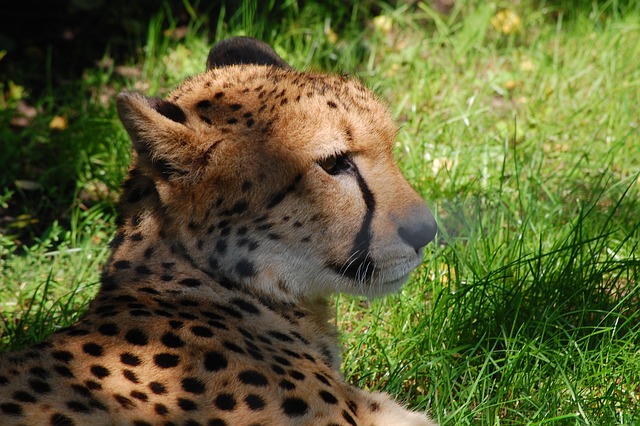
column 243, row 50
column 161, row 140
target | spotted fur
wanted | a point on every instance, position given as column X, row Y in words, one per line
column 255, row 191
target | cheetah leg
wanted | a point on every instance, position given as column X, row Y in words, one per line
column 384, row 411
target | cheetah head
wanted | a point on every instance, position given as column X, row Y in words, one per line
column 278, row 181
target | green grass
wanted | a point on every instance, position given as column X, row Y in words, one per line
column 525, row 145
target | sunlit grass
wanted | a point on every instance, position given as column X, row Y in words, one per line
column 521, row 134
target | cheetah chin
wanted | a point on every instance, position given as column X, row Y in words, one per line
column 255, row 192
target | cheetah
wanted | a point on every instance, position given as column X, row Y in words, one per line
column 255, row 192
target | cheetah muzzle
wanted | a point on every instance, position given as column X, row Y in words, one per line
column 255, row 192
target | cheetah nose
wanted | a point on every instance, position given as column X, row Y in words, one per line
column 418, row 227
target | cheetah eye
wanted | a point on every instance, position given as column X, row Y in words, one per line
column 336, row 164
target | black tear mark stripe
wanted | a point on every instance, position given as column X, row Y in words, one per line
column 359, row 264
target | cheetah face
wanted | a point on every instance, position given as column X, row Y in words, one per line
column 276, row 180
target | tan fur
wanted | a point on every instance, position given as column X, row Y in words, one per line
column 231, row 235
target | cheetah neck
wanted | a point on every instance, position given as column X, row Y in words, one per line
column 148, row 266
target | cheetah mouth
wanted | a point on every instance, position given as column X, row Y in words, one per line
column 396, row 272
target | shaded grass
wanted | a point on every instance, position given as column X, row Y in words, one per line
column 524, row 144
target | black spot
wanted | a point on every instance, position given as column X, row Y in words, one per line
column 39, row 372
column 201, row 331
column 11, row 409
column 328, row 397
column 298, row 375
column 225, row 401
column 254, row 402
column 176, row 325
column 187, row 404
column 161, row 409
column 233, row 347
column 205, row 119
column 108, row 329
column 157, row 388
column 286, row 385
column 39, row 386
column 130, row 359
column 78, row 407
column 322, row 379
column 282, row 361
column 294, row 407
column 299, row 337
column 215, row 361
column 149, row 290
column 221, row 246
column 136, row 337
column 125, row 402
column 171, row 340
column 255, row 354
column 229, row 310
column 166, row 360
column 81, row 390
column 93, row 385
column 117, row 241
column 187, row 315
column 137, row 236
column 245, row 268
column 142, row 270
column 168, row 109
column 130, row 375
column 140, row 313
column 252, row 377
column 217, row 325
column 122, row 264
column 277, row 369
column 280, row 336
column 24, row 397
column 348, row 418
column 332, row 104
column 239, row 207
column 193, row 385
column 190, row 282
column 141, row 423
column 235, row 107
column 125, row 298
column 148, row 252
column 292, row 354
column 205, row 103
column 64, row 356
column 213, row 263
column 61, row 420
column 139, row 396
column 92, row 349
column 63, row 371
column 352, row 406
column 99, row 371
column 217, row 422
column 278, row 197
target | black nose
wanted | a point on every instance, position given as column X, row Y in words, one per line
column 418, row 228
